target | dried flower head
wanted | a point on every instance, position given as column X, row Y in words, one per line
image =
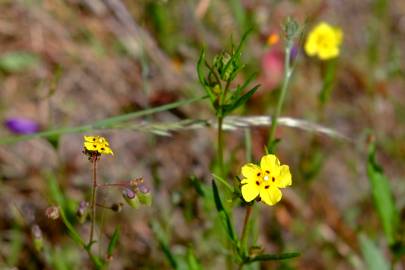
column 52, row 212
column 265, row 181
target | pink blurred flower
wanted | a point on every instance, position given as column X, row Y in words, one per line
column 272, row 69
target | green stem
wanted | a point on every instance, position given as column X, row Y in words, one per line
column 93, row 200
column 245, row 224
column 287, row 76
column 220, row 149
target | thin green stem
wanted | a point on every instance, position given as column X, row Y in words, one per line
column 287, row 76
column 245, row 224
column 220, row 150
column 93, row 199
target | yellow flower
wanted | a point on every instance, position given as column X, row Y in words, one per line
column 97, row 144
column 265, row 181
column 324, row 40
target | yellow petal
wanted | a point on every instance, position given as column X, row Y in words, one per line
column 311, row 46
column 90, row 138
column 270, row 163
column 90, row 146
column 328, row 53
column 250, row 170
column 96, row 139
column 284, row 179
column 338, row 36
column 271, row 195
column 104, row 149
column 250, row 190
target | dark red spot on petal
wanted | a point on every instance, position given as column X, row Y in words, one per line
column 94, row 145
column 258, row 174
column 257, row 183
column 273, row 179
column 266, row 187
column 267, row 171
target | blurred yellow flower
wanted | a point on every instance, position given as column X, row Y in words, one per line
column 265, row 181
column 97, row 144
column 324, row 41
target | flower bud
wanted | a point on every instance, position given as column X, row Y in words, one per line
column 83, row 211
column 37, row 238
column 52, row 212
column 131, row 198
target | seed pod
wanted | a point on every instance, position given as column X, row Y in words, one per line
column 117, row 207
column 145, row 197
column 37, row 238
column 131, row 198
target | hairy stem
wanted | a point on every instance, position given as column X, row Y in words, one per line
column 245, row 224
column 286, row 80
column 220, row 149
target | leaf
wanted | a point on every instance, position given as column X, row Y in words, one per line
column 163, row 243
column 236, row 55
column 240, row 101
column 101, row 124
column 113, row 242
column 71, row 230
column 372, row 255
column 272, row 257
column 17, row 61
column 192, row 261
column 195, row 182
column 242, row 87
column 382, row 196
column 222, row 213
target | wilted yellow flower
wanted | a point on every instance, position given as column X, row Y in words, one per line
column 265, row 181
column 97, row 144
column 324, row 41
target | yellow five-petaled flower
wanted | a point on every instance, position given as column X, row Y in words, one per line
column 265, row 181
column 324, row 41
column 97, row 144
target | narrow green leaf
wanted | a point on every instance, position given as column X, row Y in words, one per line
column 382, row 196
column 71, row 230
column 226, row 221
column 372, row 255
column 114, row 241
column 17, row 61
column 236, row 55
column 192, row 262
column 195, row 182
column 272, row 257
column 163, row 243
column 239, row 90
column 101, row 124
column 240, row 101
column 217, row 199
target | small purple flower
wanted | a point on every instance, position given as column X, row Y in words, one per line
column 294, row 52
column 20, row 125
